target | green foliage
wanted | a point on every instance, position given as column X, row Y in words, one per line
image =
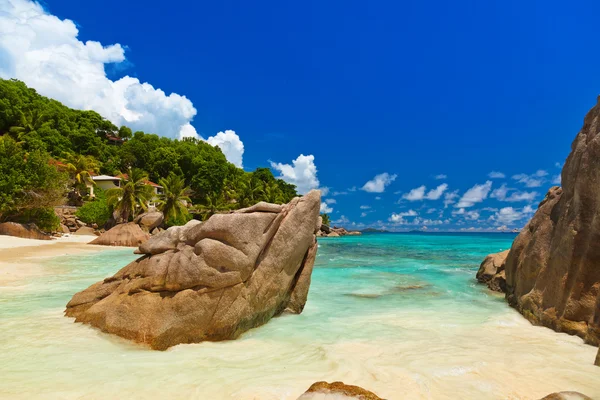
column 325, row 219
column 174, row 200
column 27, row 181
column 132, row 196
column 45, row 218
column 46, row 129
column 95, row 211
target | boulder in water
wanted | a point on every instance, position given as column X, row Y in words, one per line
column 337, row 390
column 209, row 281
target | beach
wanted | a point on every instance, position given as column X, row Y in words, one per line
column 400, row 315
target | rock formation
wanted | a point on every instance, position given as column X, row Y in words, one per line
column 150, row 220
column 128, row 235
column 27, row 231
column 566, row 396
column 209, row 281
column 491, row 271
column 337, row 390
column 553, row 267
column 325, row 230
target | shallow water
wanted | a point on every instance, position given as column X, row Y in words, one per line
column 398, row 314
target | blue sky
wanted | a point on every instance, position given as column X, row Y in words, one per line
column 397, row 94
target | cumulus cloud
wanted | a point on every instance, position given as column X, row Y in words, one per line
column 436, row 193
column 415, row 194
column 379, row 183
column 302, row 173
column 449, row 198
column 476, row 194
column 330, row 201
column 44, row 51
column 441, row 176
column 398, row 218
column 496, row 175
column 536, row 179
column 365, row 207
column 509, row 215
column 230, row 144
column 325, row 208
column 501, row 194
column 556, row 180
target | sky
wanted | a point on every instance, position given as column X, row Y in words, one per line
column 407, row 115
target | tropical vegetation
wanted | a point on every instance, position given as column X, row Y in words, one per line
column 49, row 152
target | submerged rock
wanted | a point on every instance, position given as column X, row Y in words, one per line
column 26, row 231
column 553, row 267
column 128, row 235
column 209, row 281
column 566, row 396
column 337, row 390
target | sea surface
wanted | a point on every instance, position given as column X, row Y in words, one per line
column 399, row 314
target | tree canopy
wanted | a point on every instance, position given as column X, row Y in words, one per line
column 40, row 130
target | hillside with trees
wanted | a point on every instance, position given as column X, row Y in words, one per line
column 49, row 152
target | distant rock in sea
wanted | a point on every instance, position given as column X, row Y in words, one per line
column 209, row 281
column 553, row 267
column 337, row 390
column 326, row 231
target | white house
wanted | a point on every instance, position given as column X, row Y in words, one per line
column 106, row 182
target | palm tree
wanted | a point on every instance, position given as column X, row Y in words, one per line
column 272, row 193
column 133, row 193
column 214, row 204
column 29, row 121
column 81, row 169
column 174, row 198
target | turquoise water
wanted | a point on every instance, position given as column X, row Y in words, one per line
column 400, row 314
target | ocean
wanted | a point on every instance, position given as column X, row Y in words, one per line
column 398, row 314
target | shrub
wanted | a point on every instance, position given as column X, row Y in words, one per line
column 45, row 218
column 96, row 211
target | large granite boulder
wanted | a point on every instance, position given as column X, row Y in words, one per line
column 491, row 271
column 209, row 281
column 150, row 220
column 553, row 267
column 337, row 390
column 27, row 231
column 128, row 235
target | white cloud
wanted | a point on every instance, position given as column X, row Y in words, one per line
column 43, row 51
column 302, row 173
column 536, row 179
column 436, row 193
column 377, row 198
column 501, row 194
column 476, row 194
column 378, row 184
column 449, row 198
column 398, row 218
column 330, row 201
column 341, row 220
column 431, row 210
column 509, row 215
column 496, row 175
column 556, row 180
column 230, row 144
column 325, row 208
column 363, row 214
column 415, row 194
column 441, row 176
column 365, row 207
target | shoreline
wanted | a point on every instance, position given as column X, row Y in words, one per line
column 18, row 255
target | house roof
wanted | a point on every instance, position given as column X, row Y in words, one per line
column 147, row 182
column 105, row 178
